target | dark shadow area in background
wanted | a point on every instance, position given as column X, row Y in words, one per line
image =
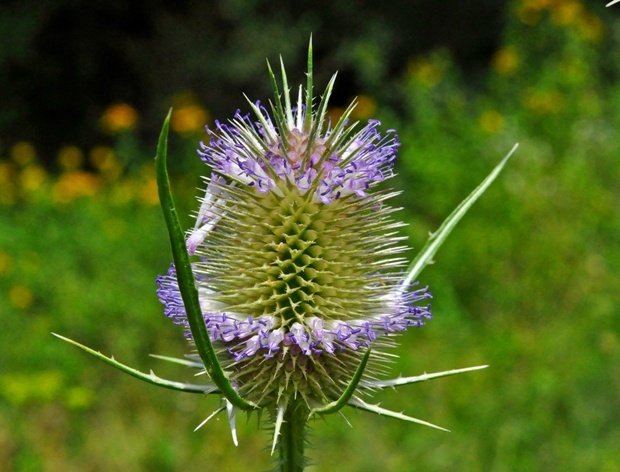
column 63, row 62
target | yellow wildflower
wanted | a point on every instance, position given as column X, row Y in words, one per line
column 32, row 177
column 76, row 184
column 189, row 119
column 118, row 118
column 188, row 116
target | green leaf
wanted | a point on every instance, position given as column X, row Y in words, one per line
column 279, row 109
column 362, row 405
column 337, row 137
column 149, row 378
column 280, row 113
column 309, row 90
column 317, row 124
column 436, row 240
column 336, row 406
column 287, row 97
column 420, row 378
column 185, row 278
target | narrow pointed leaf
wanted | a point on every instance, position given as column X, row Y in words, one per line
column 149, row 378
column 612, row 3
column 309, row 90
column 362, row 405
column 287, row 96
column 421, row 378
column 348, row 393
column 185, row 277
column 320, row 117
column 279, row 109
column 321, row 114
column 437, row 239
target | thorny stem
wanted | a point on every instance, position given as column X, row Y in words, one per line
column 292, row 439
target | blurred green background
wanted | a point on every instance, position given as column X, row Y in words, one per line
column 528, row 282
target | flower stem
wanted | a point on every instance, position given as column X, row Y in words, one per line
column 293, row 439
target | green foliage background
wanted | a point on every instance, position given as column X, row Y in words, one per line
column 528, row 283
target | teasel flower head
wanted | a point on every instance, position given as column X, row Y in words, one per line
column 299, row 263
column 296, row 291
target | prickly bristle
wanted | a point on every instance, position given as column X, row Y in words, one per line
column 289, row 258
column 292, row 259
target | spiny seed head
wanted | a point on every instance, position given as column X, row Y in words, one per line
column 298, row 257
